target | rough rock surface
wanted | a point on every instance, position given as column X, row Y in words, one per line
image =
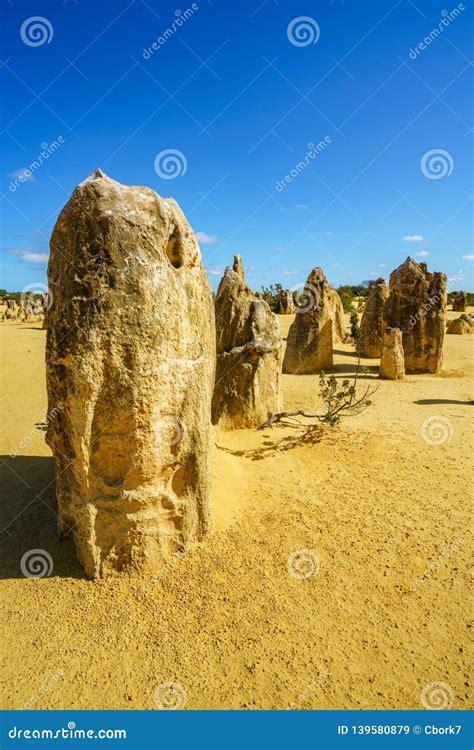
column 462, row 325
column 417, row 305
column 286, row 306
column 319, row 322
column 460, row 302
column 12, row 311
column 249, row 344
column 339, row 323
column 130, row 368
column 45, row 305
column 238, row 266
column 392, row 362
column 371, row 324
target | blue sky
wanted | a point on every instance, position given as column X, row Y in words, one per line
column 240, row 89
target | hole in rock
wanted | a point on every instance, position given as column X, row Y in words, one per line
column 179, row 481
column 174, row 250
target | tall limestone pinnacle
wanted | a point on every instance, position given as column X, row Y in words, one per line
column 249, row 344
column 392, row 362
column 417, row 306
column 371, row 324
column 238, row 267
column 130, row 369
column 318, row 324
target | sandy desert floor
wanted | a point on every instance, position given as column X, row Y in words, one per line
column 386, row 512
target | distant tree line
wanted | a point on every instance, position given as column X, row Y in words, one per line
column 470, row 298
column 17, row 295
column 271, row 294
column 352, row 295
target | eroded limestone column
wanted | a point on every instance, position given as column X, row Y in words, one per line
column 392, row 362
column 417, row 305
column 247, row 386
column 318, row 324
column 130, row 371
column 371, row 324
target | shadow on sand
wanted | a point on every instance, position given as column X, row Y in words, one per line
column 347, row 371
column 429, row 401
column 343, row 371
column 28, row 518
column 345, row 353
column 304, row 435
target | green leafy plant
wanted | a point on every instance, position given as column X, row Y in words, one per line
column 271, row 294
column 339, row 400
column 346, row 295
column 356, row 333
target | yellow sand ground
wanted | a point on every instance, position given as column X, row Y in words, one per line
column 386, row 513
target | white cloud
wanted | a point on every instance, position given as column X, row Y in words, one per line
column 37, row 258
column 205, row 239
column 468, row 257
column 423, row 254
column 27, row 254
column 23, row 174
column 287, row 272
column 382, row 265
column 216, row 271
column 327, row 234
column 302, row 206
column 413, row 238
